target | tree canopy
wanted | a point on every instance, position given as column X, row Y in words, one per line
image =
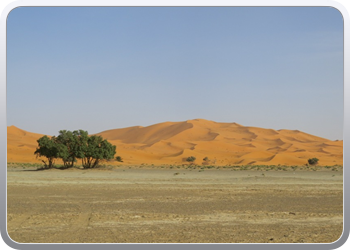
column 94, row 149
column 70, row 146
column 47, row 147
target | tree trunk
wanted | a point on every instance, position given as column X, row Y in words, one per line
column 87, row 162
column 95, row 163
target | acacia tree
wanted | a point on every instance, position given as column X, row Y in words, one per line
column 47, row 147
column 68, row 142
column 95, row 149
column 70, row 146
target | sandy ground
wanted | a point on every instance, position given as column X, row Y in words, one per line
column 173, row 206
column 220, row 143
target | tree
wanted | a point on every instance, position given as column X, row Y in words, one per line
column 93, row 149
column 69, row 149
column 119, row 158
column 47, row 147
column 312, row 161
column 70, row 146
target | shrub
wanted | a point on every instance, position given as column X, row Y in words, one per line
column 312, row 161
column 118, row 158
column 191, row 159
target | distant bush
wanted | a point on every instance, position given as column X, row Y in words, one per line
column 118, row 158
column 206, row 161
column 312, row 161
column 191, row 159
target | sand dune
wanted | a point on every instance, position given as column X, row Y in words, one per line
column 222, row 143
column 21, row 145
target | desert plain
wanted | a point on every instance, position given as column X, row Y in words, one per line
column 255, row 188
column 137, row 205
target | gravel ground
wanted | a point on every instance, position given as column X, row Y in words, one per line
column 174, row 206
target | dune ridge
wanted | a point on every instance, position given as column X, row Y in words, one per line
column 222, row 143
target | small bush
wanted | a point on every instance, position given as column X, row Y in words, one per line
column 118, row 158
column 191, row 159
column 312, row 161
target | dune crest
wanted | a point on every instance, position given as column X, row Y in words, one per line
column 221, row 143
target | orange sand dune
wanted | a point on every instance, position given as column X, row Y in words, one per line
column 222, row 143
column 21, row 145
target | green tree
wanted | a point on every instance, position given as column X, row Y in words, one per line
column 68, row 147
column 119, row 158
column 95, row 149
column 47, row 147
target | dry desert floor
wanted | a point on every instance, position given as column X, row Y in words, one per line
column 174, row 206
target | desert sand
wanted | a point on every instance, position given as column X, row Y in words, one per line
column 125, row 205
column 147, row 199
column 222, row 143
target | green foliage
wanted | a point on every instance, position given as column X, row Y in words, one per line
column 67, row 142
column 95, row 149
column 312, row 161
column 47, row 147
column 70, row 146
column 191, row 159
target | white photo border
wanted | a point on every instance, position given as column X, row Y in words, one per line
column 130, row 3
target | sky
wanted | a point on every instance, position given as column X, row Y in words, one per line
column 100, row 68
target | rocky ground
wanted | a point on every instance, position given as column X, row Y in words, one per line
column 173, row 206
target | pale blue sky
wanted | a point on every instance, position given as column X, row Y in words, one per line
column 104, row 68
